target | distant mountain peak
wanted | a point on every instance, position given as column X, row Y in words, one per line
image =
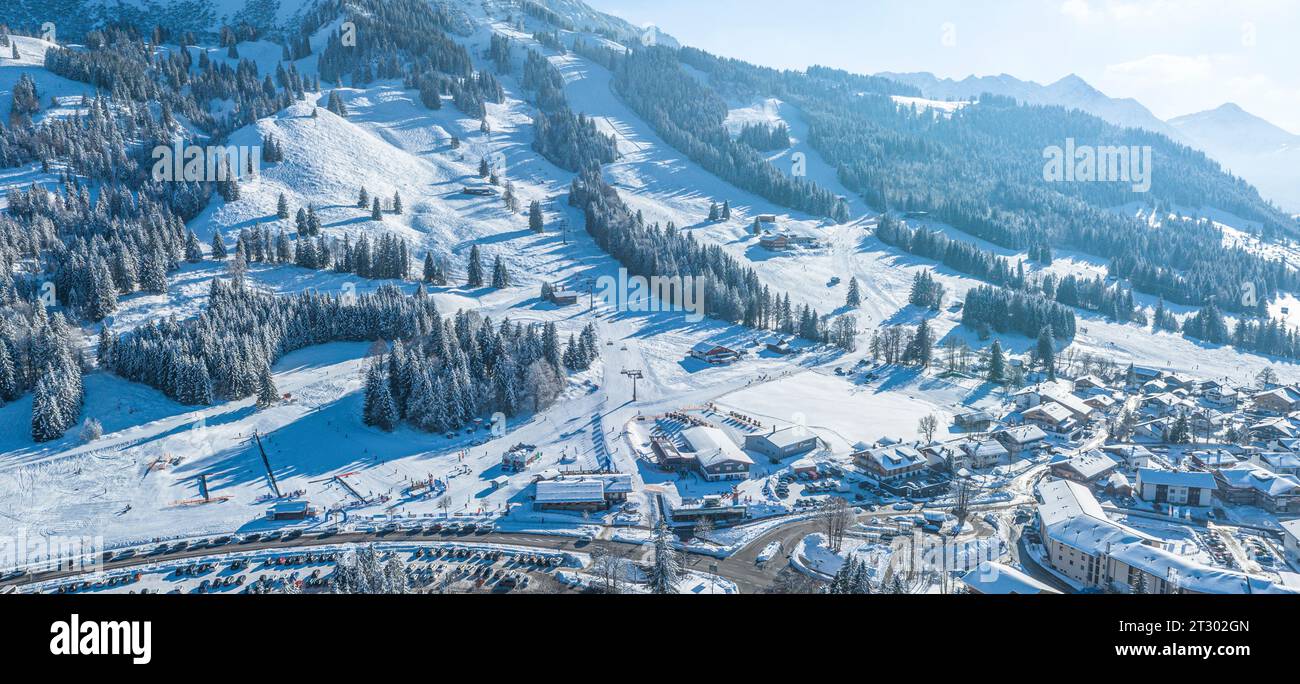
column 1257, row 150
column 1070, row 91
column 1073, row 80
column 1244, row 124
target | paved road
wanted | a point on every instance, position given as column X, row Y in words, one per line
column 538, row 541
column 741, row 567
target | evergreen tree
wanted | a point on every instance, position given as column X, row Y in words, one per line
column 860, row 582
column 9, row 389
column 48, row 419
column 153, row 272
column 218, row 246
column 380, row 409
column 854, row 298
column 475, row 268
column 921, row 347
column 665, row 571
column 267, row 394
column 997, row 363
column 1046, row 351
column 193, row 248
column 535, row 217
column 1180, row 432
column 500, row 276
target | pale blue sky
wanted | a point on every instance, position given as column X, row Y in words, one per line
column 1175, row 56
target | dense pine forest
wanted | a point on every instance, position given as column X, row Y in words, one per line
column 107, row 230
column 689, row 116
column 732, row 291
column 980, row 170
column 441, row 372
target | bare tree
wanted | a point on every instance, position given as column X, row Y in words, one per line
column 927, row 427
column 961, row 492
column 1267, row 377
column 836, row 516
column 610, row 569
column 703, row 528
column 791, row 581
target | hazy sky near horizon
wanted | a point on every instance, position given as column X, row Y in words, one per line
column 1174, row 56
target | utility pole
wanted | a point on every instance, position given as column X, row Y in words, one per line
column 635, row 375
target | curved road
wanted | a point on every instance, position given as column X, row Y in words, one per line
column 741, row 568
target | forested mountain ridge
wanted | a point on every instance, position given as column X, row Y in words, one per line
column 981, row 170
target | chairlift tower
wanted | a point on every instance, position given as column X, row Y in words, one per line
column 635, row 375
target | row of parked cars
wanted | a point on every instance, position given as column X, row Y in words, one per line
column 1217, row 548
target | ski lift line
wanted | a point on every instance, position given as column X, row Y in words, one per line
column 349, row 488
column 275, row 487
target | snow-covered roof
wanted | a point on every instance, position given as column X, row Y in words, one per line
column 895, row 457
column 1024, row 434
column 1054, row 412
column 1175, row 478
column 1283, row 394
column 1291, row 527
column 707, row 347
column 1099, row 401
column 1282, row 426
column 996, row 578
column 616, row 483
column 571, row 491
column 1280, row 459
column 1191, row 575
column 1091, row 464
column 1117, row 481
column 1259, row 479
column 1164, row 399
column 985, row 448
column 713, row 447
column 787, row 437
column 1071, row 515
column 1216, row 457
column 1075, row 405
column 1128, row 451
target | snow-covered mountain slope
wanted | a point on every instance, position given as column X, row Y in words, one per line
column 139, row 481
column 52, row 88
column 72, row 18
column 1260, row 152
column 1071, row 92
